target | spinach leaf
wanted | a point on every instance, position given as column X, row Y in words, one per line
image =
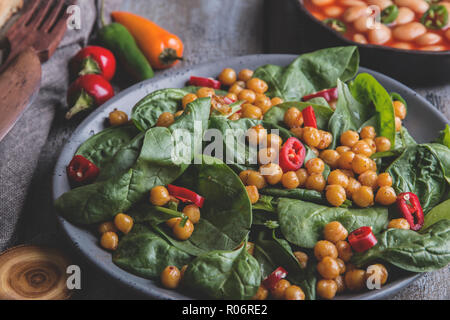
column 276, row 114
column 368, row 91
column 309, row 73
column 146, row 112
column 298, row 193
column 443, row 154
column 444, row 137
column 438, row 213
column 397, row 97
column 146, row 254
column 224, row 275
column 410, row 250
column 419, row 170
column 302, row 222
column 154, row 166
column 100, row 148
column 272, row 252
column 265, row 203
column 349, row 114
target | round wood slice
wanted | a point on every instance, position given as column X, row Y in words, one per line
column 33, row 273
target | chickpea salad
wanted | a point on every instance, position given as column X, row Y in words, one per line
column 319, row 189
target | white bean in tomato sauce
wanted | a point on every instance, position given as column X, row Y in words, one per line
column 409, row 31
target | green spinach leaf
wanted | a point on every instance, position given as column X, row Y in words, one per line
column 444, row 137
column 438, row 213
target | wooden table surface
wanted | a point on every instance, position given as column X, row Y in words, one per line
column 216, row 29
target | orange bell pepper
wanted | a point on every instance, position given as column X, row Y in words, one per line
column 161, row 48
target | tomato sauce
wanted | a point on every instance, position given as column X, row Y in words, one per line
column 438, row 39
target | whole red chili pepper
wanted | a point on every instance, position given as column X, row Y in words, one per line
column 205, row 82
column 309, row 117
column 362, row 239
column 81, row 170
column 186, row 195
column 87, row 92
column 273, row 278
column 327, row 94
column 409, row 205
column 94, row 60
column 292, row 155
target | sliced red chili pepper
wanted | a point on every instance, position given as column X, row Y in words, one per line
column 205, row 82
column 292, row 155
column 273, row 278
column 309, row 117
column 362, row 239
column 186, row 195
column 327, row 94
column 81, row 170
column 409, row 205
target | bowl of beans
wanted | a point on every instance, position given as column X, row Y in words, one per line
column 408, row 39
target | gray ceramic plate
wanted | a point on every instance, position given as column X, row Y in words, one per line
column 423, row 121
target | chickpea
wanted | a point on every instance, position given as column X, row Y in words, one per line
column 371, row 144
column 340, row 284
column 327, row 289
column 337, row 177
column 330, row 157
column 257, row 135
column 383, row 144
column 243, row 175
column 293, row 118
column 109, row 241
column 348, row 172
column 335, row 232
column 235, row 116
column 352, row 187
column 267, row 155
column 400, row 223
column 257, row 85
column 227, row 77
column 192, row 212
column 245, row 75
column 279, row 289
column 346, row 159
column 298, row 132
column 315, row 165
column 355, row 280
column 341, row 264
column 272, row 173
column 253, row 194
column 247, row 95
column 349, row 138
column 302, row 259
column 418, row 6
column 232, row 96
column 117, row 118
column 368, row 132
column 368, row 178
column 190, row 97
column 107, row 227
column 183, row 232
column 262, row 292
column 178, row 113
column 325, row 140
column 405, row 15
column 165, row 119
column 170, row 277
column 361, row 147
column 380, row 34
column 274, row 141
column 236, row 89
column 343, row 149
column 276, row 101
column 325, row 248
column 328, row 268
column 398, row 124
column 289, row 180
column 294, row 293
column 205, row 92
column 335, row 195
column 353, row 13
column 384, row 180
column 400, row 110
column 263, row 102
column 172, row 222
column 386, row 196
column 123, row 222
column 250, row 111
column 302, row 176
column 363, row 197
column 378, row 272
column 316, row 181
column 315, row 151
column 311, row 136
column 159, row 196
column 409, row 31
column 361, row 164
column 344, row 249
